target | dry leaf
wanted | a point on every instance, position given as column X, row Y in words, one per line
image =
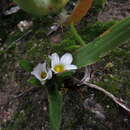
column 80, row 10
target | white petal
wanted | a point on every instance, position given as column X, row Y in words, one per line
column 54, row 59
column 54, row 71
column 43, row 82
column 36, row 74
column 38, row 67
column 49, row 74
column 36, row 71
column 66, row 59
column 70, row 67
column 44, row 67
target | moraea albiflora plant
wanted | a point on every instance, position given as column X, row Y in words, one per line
column 43, row 73
column 41, row 7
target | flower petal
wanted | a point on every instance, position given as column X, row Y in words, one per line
column 36, row 71
column 54, row 59
column 43, row 82
column 66, row 59
column 42, row 73
column 36, row 74
column 44, row 67
column 38, row 67
column 49, row 74
column 70, row 67
column 54, row 71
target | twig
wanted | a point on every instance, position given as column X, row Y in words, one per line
column 31, row 90
column 15, row 42
column 87, row 74
column 53, row 29
column 115, row 99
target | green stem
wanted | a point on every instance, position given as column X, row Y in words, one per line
column 55, row 106
column 77, row 36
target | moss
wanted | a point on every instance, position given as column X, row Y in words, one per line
column 128, row 92
column 68, row 44
column 18, row 122
column 97, row 5
column 88, row 33
column 110, row 85
column 11, row 41
column 93, row 30
column 116, row 79
column 37, row 49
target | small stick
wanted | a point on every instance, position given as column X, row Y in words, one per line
column 15, row 42
column 20, row 38
column 31, row 90
column 115, row 99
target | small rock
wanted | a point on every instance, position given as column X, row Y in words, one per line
column 56, row 38
column 12, row 10
column 3, row 98
column 91, row 105
column 24, row 25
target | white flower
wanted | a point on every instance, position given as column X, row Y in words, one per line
column 59, row 65
column 42, row 73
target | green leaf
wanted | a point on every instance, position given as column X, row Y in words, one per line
column 26, row 65
column 95, row 50
column 65, row 74
column 55, row 107
column 34, row 81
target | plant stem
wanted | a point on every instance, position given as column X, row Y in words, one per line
column 77, row 36
column 55, row 106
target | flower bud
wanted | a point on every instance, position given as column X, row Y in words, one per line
column 41, row 7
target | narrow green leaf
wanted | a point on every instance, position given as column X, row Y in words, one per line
column 73, row 47
column 26, row 65
column 95, row 50
column 77, row 36
column 55, row 107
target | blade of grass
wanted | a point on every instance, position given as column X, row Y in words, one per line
column 77, row 36
column 98, row 48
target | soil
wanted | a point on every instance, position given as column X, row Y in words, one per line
column 25, row 107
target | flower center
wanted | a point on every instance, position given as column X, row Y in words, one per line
column 59, row 68
column 43, row 75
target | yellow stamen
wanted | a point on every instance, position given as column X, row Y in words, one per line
column 59, row 68
column 43, row 75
